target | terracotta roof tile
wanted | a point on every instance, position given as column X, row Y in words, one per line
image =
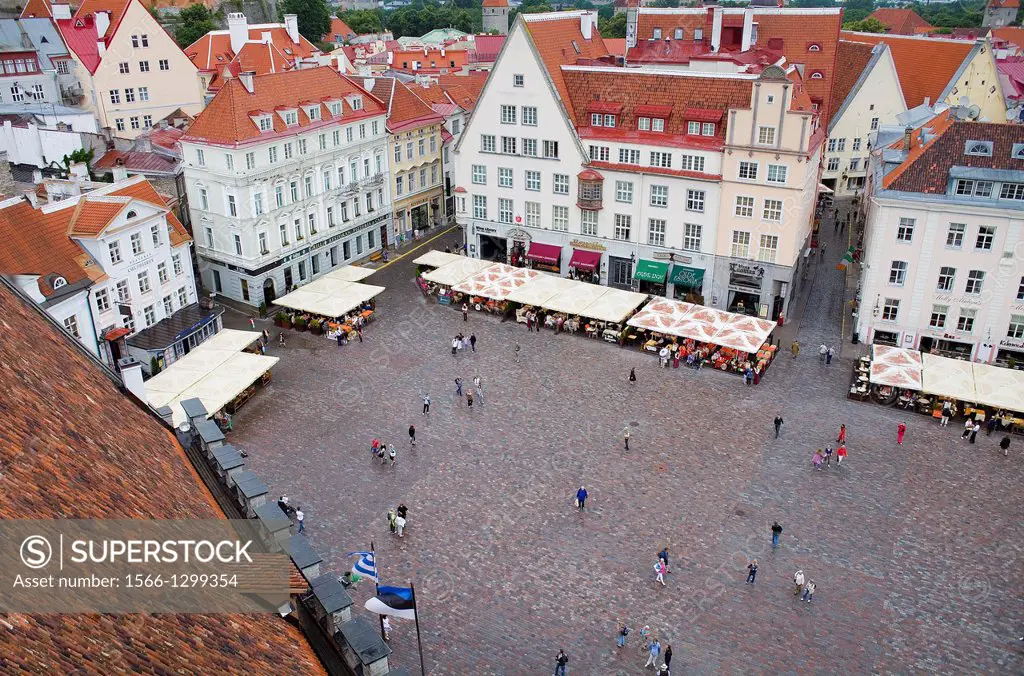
column 92, row 215
column 37, row 8
column 559, row 42
column 464, row 90
column 405, row 109
column 1012, row 34
column 854, row 57
column 108, row 459
column 32, row 245
column 226, row 120
column 926, row 170
column 116, row 8
column 1004, row 4
column 901, row 21
column 924, row 65
column 213, row 50
column 339, row 31
column 495, row 3
column 142, row 189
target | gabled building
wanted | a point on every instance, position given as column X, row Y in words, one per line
column 1000, row 13
column 867, row 94
column 286, row 178
column 940, row 70
column 415, row 136
column 684, row 183
column 901, row 21
column 262, row 49
column 945, row 218
column 35, row 66
column 132, row 72
column 105, row 264
column 339, row 33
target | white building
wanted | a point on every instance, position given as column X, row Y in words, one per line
column 867, row 95
column 285, row 176
column 945, row 231
column 105, row 265
column 690, row 184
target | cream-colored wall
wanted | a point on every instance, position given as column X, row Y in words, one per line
column 980, row 83
column 178, row 87
column 407, row 200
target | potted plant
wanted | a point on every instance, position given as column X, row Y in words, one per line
column 299, row 323
column 263, row 309
column 316, row 326
column 280, row 318
column 287, row 322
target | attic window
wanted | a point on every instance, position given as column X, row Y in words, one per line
column 265, row 123
column 817, row 75
column 59, row 282
column 814, row 47
column 698, row 33
column 678, row 35
column 1018, row 151
column 657, row 34
column 44, row 40
column 979, row 148
column 576, row 46
column 131, row 214
column 596, row 120
column 335, row 107
column 290, row 118
column 356, row 102
column 313, row 112
column 288, row 51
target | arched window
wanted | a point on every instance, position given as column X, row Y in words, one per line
column 131, row 214
column 59, row 282
column 814, row 47
column 817, row 75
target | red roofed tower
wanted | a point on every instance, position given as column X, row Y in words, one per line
column 495, row 14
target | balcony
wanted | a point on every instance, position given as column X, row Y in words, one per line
column 376, row 179
column 591, row 190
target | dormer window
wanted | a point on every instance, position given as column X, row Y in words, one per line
column 288, row 51
column 817, row 75
column 313, row 112
column 290, row 117
column 678, row 35
column 130, row 215
column 609, row 120
column 265, row 123
column 356, row 102
column 643, row 124
column 657, row 124
column 814, row 47
column 693, row 128
column 698, row 34
column 707, row 129
column 979, row 148
column 657, row 34
column 596, row 120
column 59, row 282
column 1017, row 152
column 335, row 108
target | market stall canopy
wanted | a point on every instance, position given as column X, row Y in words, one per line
column 949, row 378
column 575, row 299
column 331, row 295
column 661, row 315
column 496, row 281
column 744, row 333
column 999, row 387
column 584, row 259
column 614, row 306
column 650, row 271
column 896, row 367
column 350, row 273
column 454, row 272
column 435, row 259
column 539, row 290
column 544, row 253
column 221, row 385
column 686, row 320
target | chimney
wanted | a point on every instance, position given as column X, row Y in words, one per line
column 37, row 176
column 266, row 37
column 631, row 21
column 587, row 21
column 748, row 29
column 907, row 133
column 131, row 376
column 927, row 101
column 79, row 172
column 368, row 84
column 119, row 173
column 102, row 23
column 291, row 24
column 60, row 11
column 716, row 28
column 238, row 28
column 246, row 78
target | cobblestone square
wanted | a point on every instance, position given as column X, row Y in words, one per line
column 916, row 550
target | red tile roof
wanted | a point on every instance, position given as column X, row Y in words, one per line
column 855, row 57
column 137, row 161
column 405, row 109
column 560, row 42
column 36, row 8
column 213, row 50
column 80, row 37
column 142, row 189
column 495, row 3
column 226, row 120
column 901, row 21
column 925, row 65
column 339, row 31
column 122, row 470
column 92, row 215
column 1012, row 34
column 1004, row 4
column 464, row 90
column 166, row 138
column 116, row 8
column 615, row 46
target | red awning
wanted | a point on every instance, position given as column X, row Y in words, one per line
column 113, row 334
column 585, row 260
column 544, row 253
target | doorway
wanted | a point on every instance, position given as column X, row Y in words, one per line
column 216, row 282
column 269, row 295
column 420, row 218
column 288, row 280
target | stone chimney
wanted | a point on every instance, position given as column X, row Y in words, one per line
column 907, row 134
column 588, row 20
column 748, row 29
column 238, row 28
column 119, row 173
column 716, row 28
column 60, row 11
column 291, row 24
column 102, row 23
column 247, row 80
column 131, row 376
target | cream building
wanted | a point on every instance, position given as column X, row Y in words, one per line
column 132, row 72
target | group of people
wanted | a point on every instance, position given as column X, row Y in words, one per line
column 649, row 646
column 477, row 388
column 398, row 517
column 823, row 456
column 385, row 452
column 461, row 342
column 826, row 353
column 972, row 425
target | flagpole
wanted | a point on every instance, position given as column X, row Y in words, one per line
column 416, row 616
column 376, row 587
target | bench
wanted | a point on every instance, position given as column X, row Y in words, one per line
column 376, row 257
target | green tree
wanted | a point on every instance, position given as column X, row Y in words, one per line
column 193, row 22
column 868, row 25
column 857, row 10
column 614, row 27
column 362, row 21
column 529, row 7
column 313, row 15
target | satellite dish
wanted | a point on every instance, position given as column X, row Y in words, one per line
column 974, row 112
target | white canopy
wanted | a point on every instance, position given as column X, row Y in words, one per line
column 576, row 298
column 614, row 306
column 896, row 366
column 226, row 339
column 436, row 259
column 999, row 387
column 350, row 273
column 224, row 383
column 950, row 378
column 744, row 333
column 718, row 327
column 455, row 271
column 497, row 281
column 331, row 295
column 539, row 290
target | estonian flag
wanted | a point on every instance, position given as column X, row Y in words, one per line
column 394, row 601
column 365, row 565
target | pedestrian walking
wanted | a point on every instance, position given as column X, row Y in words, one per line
column 300, row 519
column 668, row 656
column 517, row 352
column 776, row 534
column 901, row 430
column 455, row 347
column 340, row 338
column 829, row 355
column 968, row 426
column 581, row 498
column 400, row 522
column 252, row 322
column 359, row 332
column 392, row 526
column 842, row 434
column 560, row 661
column 817, row 459
column 472, row 341
column 778, row 424
column 625, row 436
column 412, row 435
column 266, row 336
column 465, row 312
column 659, row 572
column 825, row 245
column 752, row 571
column 1005, row 445
column 663, row 556
column 795, row 349
column 620, row 640
column 798, row 582
column 975, row 428
column 391, row 454
column 426, row 404
column 632, row 376
column 828, row 455
column 947, row 413
column 280, row 339
column 458, row 387
column 840, row 454
column 385, row 625
column 653, row 652
column 990, row 425
column 808, row 591
column 469, row 398
column 822, row 353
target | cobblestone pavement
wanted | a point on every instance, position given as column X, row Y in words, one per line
column 916, row 550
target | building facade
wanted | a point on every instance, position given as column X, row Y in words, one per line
column 286, row 180
column 495, row 16
column 693, row 185
column 867, row 97
column 105, row 264
column 35, row 66
column 999, row 13
column 942, row 252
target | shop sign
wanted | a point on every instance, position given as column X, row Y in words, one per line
column 746, row 269
column 1011, row 342
column 140, row 263
column 444, row 300
column 673, row 257
column 970, row 299
column 488, row 231
column 590, row 246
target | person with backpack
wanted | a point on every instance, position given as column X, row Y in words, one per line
column 659, row 571
column 560, row 661
column 1005, row 445
column 620, row 640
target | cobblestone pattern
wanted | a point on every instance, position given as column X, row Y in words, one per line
column 916, row 550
